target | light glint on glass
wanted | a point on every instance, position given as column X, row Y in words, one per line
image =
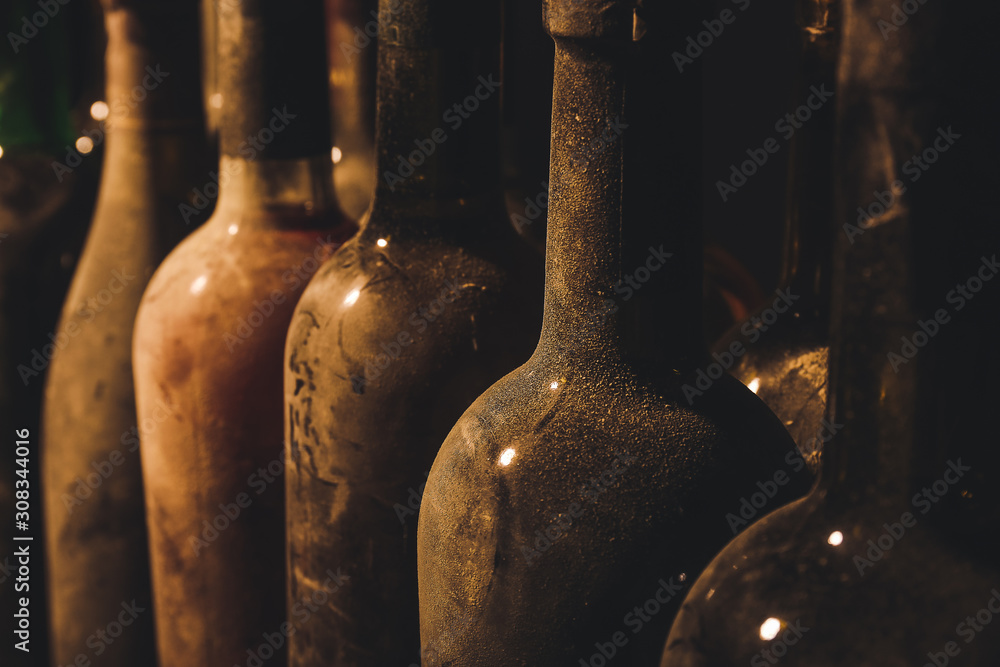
column 233, row 229
column 1, row 151
column 381, row 243
column 769, row 629
column 507, row 456
column 216, row 101
column 84, row 145
column 754, row 385
column 198, row 286
column 836, row 538
column 554, row 385
column 352, row 297
column 99, row 110
column 336, row 154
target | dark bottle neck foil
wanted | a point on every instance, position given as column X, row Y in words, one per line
column 438, row 103
column 272, row 73
column 904, row 408
column 808, row 242
column 152, row 62
column 623, row 260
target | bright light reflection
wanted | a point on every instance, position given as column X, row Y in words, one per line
column 352, row 297
column 507, row 457
column 84, row 145
column 754, row 385
column 554, row 385
column 381, row 243
column 836, row 538
column 216, row 101
column 198, row 286
column 233, row 229
column 99, row 110
column 769, row 629
column 1, row 151
column 336, row 154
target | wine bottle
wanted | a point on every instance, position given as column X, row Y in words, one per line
column 585, row 484
column 435, row 299
column 891, row 559
column 209, row 344
column 786, row 357
column 96, row 544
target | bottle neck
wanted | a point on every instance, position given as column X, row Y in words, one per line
column 809, row 217
column 906, row 343
column 623, row 254
column 438, row 106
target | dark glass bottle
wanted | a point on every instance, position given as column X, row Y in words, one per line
column 786, row 358
column 96, row 544
column 584, row 484
column 891, row 559
column 210, row 338
column 435, row 299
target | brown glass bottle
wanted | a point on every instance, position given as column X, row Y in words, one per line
column 584, row 484
column 786, row 357
column 435, row 299
column 891, row 559
column 96, row 545
column 209, row 341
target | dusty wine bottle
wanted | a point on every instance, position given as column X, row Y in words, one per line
column 584, row 485
column 891, row 559
column 785, row 355
column 96, row 543
column 434, row 300
column 210, row 338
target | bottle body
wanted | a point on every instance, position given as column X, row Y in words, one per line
column 95, row 522
column 388, row 346
column 208, row 348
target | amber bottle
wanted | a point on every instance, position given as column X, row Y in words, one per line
column 96, row 545
column 585, row 484
column 209, row 340
column 891, row 559
column 435, row 299
column 786, row 358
